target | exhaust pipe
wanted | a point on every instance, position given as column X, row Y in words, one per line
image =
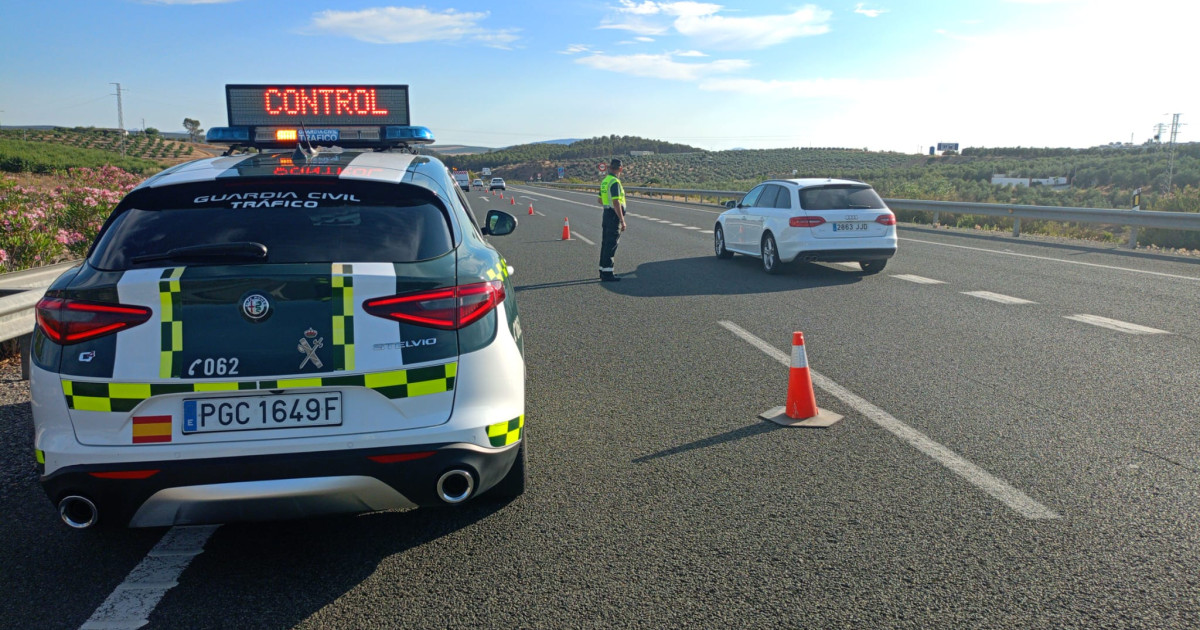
column 78, row 512
column 455, row 486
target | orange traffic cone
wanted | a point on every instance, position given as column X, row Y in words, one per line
column 501, row 194
column 531, row 208
column 512, row 201
column 566, row 230
column 801, row 409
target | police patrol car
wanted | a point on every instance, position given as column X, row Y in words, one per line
column 276, row 335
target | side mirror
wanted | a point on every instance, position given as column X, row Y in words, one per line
column 499, row 223
column 731, row 204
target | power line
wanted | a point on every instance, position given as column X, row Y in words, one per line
column 1175, row 125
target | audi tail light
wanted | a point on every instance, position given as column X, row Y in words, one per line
column 66, row 321
column 808, row 222
column 449, row 308
column 886, row 219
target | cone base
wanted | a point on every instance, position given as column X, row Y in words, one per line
column 823, row 420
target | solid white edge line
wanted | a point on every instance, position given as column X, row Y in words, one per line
column 1059, row 260
column 582, row 238
column 130, row 604
column 997, row 297
column 1000, row 490
column 1115, row 324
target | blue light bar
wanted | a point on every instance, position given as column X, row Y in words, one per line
column 227, row 135
column 408, row 134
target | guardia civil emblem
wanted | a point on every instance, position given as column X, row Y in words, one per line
column 309, row 350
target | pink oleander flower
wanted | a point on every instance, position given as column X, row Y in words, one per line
column 3, row 256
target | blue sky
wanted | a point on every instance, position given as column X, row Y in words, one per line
column 887, row 75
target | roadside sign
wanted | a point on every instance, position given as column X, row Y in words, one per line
column 562, row 172
column 602, row 167
column 947, row 146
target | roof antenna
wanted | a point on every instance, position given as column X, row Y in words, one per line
column 301, row 152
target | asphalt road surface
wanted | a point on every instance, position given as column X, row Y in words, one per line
column 1019, row 449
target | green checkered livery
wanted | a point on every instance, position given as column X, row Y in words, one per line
column 92, row 396
column 342, row 282
column 505, row 433
column 170, row 364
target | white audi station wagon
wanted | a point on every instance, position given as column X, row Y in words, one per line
column 811, row 220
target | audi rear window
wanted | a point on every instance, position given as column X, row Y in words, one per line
column 840, row 197
column 297, row 222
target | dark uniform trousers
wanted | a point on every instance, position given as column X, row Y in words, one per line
column 610, row 235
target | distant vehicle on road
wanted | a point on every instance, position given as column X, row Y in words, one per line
column 478, row 183
column 497, row 182
column 463, row 179
column 813, row 220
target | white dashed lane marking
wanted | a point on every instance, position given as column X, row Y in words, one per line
column 1117, row 325
column 998, row 297
column 917, row 279
column 130, row 605
column 997, row 488
column 582, row 238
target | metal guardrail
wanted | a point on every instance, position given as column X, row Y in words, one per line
column 19, row 292
column 1131, row 218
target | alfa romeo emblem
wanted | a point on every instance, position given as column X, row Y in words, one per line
column 256, row 307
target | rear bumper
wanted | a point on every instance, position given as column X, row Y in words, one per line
column 188, row 492
column 845, row 255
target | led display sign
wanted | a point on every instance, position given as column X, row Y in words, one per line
column 313, row 105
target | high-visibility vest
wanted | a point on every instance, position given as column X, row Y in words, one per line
column 606, row 195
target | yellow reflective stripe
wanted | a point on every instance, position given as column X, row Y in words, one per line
column 300, row 382
column 496, row 430
column 451, row 370
column 350, row 357
column 129, row 390
column 427, row 387
column 164, row 363
column 348, row 302
column 386, row 379
column 164, row 302
column 214, row 387
column 89, row 403
column 68, row 387
column 337, row 281
column 177, row 336
column 339, row 330
column 39, row 455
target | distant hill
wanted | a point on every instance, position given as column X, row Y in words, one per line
column 562, row 141
column 460, row 149
column 604, row 147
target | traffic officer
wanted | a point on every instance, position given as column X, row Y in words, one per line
column 612, row 197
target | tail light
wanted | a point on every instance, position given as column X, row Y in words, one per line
column 886, row 219
column 808, row 222
column 67, row 321
column 450, row 308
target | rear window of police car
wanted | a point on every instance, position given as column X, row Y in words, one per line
column 320, row 221
column 840, row 197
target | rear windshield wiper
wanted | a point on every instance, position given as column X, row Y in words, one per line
column 246, row 250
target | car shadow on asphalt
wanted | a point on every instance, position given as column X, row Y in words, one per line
column 741, row 275
column 740, row 433
column 279, row 574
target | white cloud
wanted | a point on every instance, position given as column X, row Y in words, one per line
column 689, row 53
column 644, row 39
column 636, row 25
column 662, row 66
column 575, row 49
column 754, row 32
column 406, row 25
column 871, row 13
column 704, row 21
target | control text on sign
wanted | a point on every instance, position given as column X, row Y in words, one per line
column 327, row 101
